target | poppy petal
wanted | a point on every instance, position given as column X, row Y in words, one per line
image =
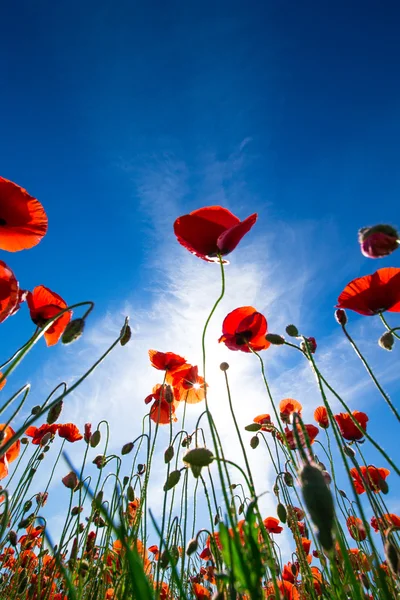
column 229, row 239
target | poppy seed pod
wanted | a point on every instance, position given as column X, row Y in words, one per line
column 73, row 331
column 386, row 341
column 319, row 502
column 378, row 241
column 224, row 366
column 199, row 457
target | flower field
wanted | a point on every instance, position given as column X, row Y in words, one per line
column 111, row 546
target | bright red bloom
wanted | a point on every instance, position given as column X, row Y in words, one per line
column 287, row 407
column 37, row 433
column 70, row 432
column 386, row 521
column 23, row 221
column 312, row 433
column 88, row 432
column 272, row 525
column 210, row 231
column 287, row 573
column 321, row 416
column 287, row 590
column 44, row 305
column 163, row 412
column 348, row 429
column 201, row 592
column 371, row 476
column 188, row 384
column 160, row 392
column 244, row 329
column 378, row 241
column 356, row 528
column 264, row 421
column 372, row 294
column 10, row 294
column 12, row 453
column 166, row 361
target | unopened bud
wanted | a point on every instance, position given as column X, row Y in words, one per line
column 392, row 557
column 340, row 316
column 288, row 479
column 319, row 502
column 275, row 339
column 348, row 450
column 99, row 461
column 198, row 457
column 141, row 469
column 73, row 331
column 12, row 536
column 70, row 481
column 292, row 330
column 386, row 341
column 378, row 241
column 76, row 510
column 281, row 512
column 46, row 438
column 192, row 546
column 95, row 438
column 125, row 334
column 172, row 480
column 35, row 410
column 254, row 442
column 169, row 454
column 54, row 412
column 127, row 448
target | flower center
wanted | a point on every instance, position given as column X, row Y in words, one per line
column 243, row 337
column 2, row 222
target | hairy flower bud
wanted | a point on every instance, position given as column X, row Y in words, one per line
column 126, row 333
column 172, row 480
column 35, row 410
column 392, row 557
column 169, row 454
column 127, row 448
column 341, row 316
column 73, row 331
column 378, row 241
column 95, row 438
column 70, row 481
column 319, row 502
column 275, row 339
column 386, row 341
column 292, row 330
column 198, row 457
column 54, row 412
column 254, row 442
column 192, row 546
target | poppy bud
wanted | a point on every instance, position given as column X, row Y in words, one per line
column 35, row 410
column 126, row 448
column 130, row 492
column 224, row 366
column 88, row 432
column 349, row 451
column 288, row 479
column 253, row 427
column 126, row 333
column 383, row 486
column 292, row 330
column 125, row 481
column 386, row 341
column 192, row 546
column 311, row 344
column 76, row 510
column 54, row 412
column 141, row 469
column 327, row 477
column 340, row 316
column 41, row 498
column 25, row 523
column 73, row 331
column 169, row 454
column 198, row 457
column 70, row 481
column 24, row 440
column 12, row 536
column 281, row 512
column 46, row 438
column 254, row 442
column 172, row 480
column 319, row 502
column 27, row 506
column 95, row 438
column 275, row 339
column 378, row 241
column 100, row 460
column 216, row 519
column 392, row 557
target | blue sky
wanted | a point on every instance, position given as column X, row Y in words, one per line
column 121, row 117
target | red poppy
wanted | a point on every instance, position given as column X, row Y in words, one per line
column 287, row 407
column 312, row 433
column 272, row 525
column 386, row 521
column 264, row 421
column 44, row 305
column 166, row 361
column 356, row 528
column 160, row 392
column 210, row 231
column 372, row 294
column 348, row 429
column 12, row 453
column 162, row 412
column 70, row 432
column 23, row 221
column 10, row 294
column 321, row 416
column 37, row 433
column 287, row 572
column 287, row 590
column 371, row 476
column 244, row 329
column 200, row 592
column 188, row 384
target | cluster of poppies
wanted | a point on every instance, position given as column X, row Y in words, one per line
column 23, row 224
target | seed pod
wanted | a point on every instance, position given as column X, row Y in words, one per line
column 319, row 502
column 125, row 481
column 386, row 341
column 127, row 448
column 199, row 457
column 292, row 330
column 275, row 339
column 192, row 546
column 73, row 331
column 169, row 454
column 95, row 438
column 281, row 512
column 24, row 440
column 254, row 442
column 172, row 480
column 224, row 366
column 54, row 412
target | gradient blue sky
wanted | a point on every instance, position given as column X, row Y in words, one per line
column 119, row 116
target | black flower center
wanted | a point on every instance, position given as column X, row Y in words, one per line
column 2, row 222
column 243, row 337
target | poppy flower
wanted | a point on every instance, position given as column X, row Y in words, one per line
column 356, row 528
column 10, row 294
column 287, row 572
column 200, row 592
column 188, row 384
column 287, row 407
column 378, row 241
column 166, row 361
column 264, row 421
column 160, row 392
column 386, row 521
column 44, row 305
column 211, row 231
column 12, row 453
column 359, row 560
column 162, row 412
column 321, row 416
column 3, row 380
column 287, row 591
column 312, row 433
column 272, row 525
column 244, row 329
column 348, row 429
column 70, row 432
column 371, row 477
column 23, row 221
column 372, row 294
column 37, row 433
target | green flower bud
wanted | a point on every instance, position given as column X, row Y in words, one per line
column 73, row 331
column 198, row 457
column 172, row 480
